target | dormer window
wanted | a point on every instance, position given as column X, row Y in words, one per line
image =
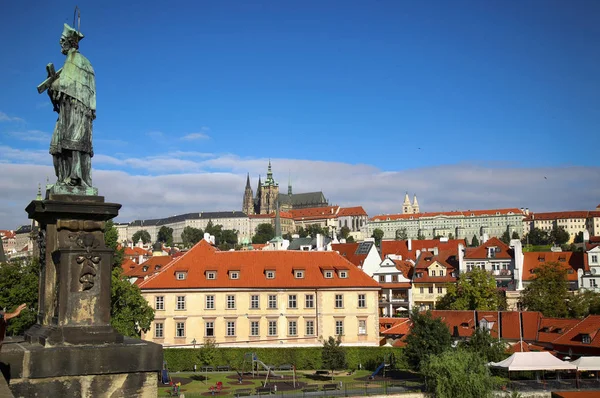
column 156, row 267
column 180, row 275
column 234, row 274
column 586, row 339
column 343, row 274
column 145, row 268
column 545, row 329
column 299, row 274
column 328, row 274
column 270, row 274
column 211, row 275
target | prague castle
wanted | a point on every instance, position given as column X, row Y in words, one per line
column 267, row 195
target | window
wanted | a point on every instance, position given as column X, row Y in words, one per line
column 292, row 328
column 381, row 278
column 180, row 329
column 593, row 283
column 362, row 326
column 339, row 301
column 328, row 274
column 585, row 339
column 270, row 274
column 210, row 302
column 431, row 290
column 432, row 273
column 421, row 290
column 299, row 274
column 254, row 328
column 292, row 301
column 254, row 302
column 159, row 303
column 339, row 328
column 272, row 328
column 180, row 275
column 181, row 302
column 309, row 301
column 230, row 328
column 234, row 275
column 439, row 290
column 594, row 258
column 310, row 328
column 211, row 275
column 272, row 301
column 230, row 302
column 441, row 272
column 209, row 329
column 159, row 330
column 362, row 301
column 343, row 274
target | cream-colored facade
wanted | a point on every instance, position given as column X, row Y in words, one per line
column 278, row 317
column 572, row 222
column 426, row 290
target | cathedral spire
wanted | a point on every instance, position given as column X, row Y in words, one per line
column 290, row 183
column 248, row 182
column 269, row 181
column 406, row 199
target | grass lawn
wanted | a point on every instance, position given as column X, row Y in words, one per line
column 196, row 383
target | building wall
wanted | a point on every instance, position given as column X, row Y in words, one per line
column 426, row 299
column 324, row 316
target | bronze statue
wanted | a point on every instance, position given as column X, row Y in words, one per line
column 72, row 90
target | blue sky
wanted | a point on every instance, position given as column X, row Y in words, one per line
column 211, row 90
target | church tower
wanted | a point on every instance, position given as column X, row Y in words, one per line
column 415, row 205
column 269, row 191
column 406, row 206
column 248, row 203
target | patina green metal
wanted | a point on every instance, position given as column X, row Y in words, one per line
column 72, row 90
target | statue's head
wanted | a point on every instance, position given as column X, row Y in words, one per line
column 69, row 39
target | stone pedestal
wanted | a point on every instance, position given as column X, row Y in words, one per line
column 73, row 350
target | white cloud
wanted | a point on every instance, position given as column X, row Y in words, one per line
column 31, row 135
column 5, row 118
column 184, row 186
column 195, row 136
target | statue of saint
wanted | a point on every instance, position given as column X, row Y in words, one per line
column 72, row 91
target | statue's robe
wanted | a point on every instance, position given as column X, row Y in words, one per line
column 74, row 97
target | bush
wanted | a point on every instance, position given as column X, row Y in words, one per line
column 305, row 358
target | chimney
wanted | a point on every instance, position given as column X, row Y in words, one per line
column 212, row 239
column 527, row 211
column 462, row 266
column 207, row 237
column 435, row 251
column 519, row 259
column 418, row 253
column 319, row 242
column 409, row 243
column 484, row 238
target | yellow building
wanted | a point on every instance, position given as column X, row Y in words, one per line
column 434, row 272
column 261, row 298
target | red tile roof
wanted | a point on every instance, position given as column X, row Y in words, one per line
column 400, row 247
column 149, row 267
column 406, row 267
column 401, row 327
column 552, row 328
column 128, row 264
column 524, row 347
column 352, row 211
column 136, row 251
column 315, row 213
column 559, row 215
column 253, row 265
column 588, row 326
column 348, row 250
column 481, row 252
column 384, row 322
column 444, row 258
column 465, row 213
column 570, row 261
column 282, row 214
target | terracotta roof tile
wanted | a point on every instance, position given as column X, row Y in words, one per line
column 465, row 213
column 400, row 247
column 588, row 326
column 151, row 266
column 315, row 213
column 348, row 250
column 253, row 265
column 352, row 211
column 481, row 251
column 570, row 261
column 444, row 258
column 552, row 328
column 401, row 327
column 559, row 215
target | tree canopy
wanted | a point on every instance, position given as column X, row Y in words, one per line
column 548, row 292
column 537, row 237
column 264, row 233
column 483, row 344
column 111, row 240
column 333, row 355
column 190, row 236
column 378, row 236
column 427, row 337
column 344, row 232
column 474, row 290
column 401, row 234
column 165, row 235
column 458, row 373
column 505, row 237
column 18, row 285
column 143, row 235
column 559, row 236
column 474, row 241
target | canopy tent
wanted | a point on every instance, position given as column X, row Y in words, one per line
column 587, row 363
column 531, row 361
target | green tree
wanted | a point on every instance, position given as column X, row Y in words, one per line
column 344, row 232
column 18, row 285
column 378, row 235
column 538, row 237
column 208, row 352
column 401, row 234
column 474, row 241
column 451, row 236
column 111, row 240
column 515, row 235
column 559, row 236
column 314, row 229
column 474, row 290
column 190, row 236
column 548, row 292
column 333, row 354
column 130, row 312
column 578, row 237
column 420, row 235
column 264, row 233
column 287, row 236
column 228, row 239
column 143, row 235
column 350, row 239
column 458, row 373
column 505, row 237
column 483, row 344
column 583, row 304
column 165, row 235
column 215, row 230
column 301, row 232
column 427, row 337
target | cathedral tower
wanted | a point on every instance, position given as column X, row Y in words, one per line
column 406, row 206
column 269, row 191
column 415, row 205
column 248, row 203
